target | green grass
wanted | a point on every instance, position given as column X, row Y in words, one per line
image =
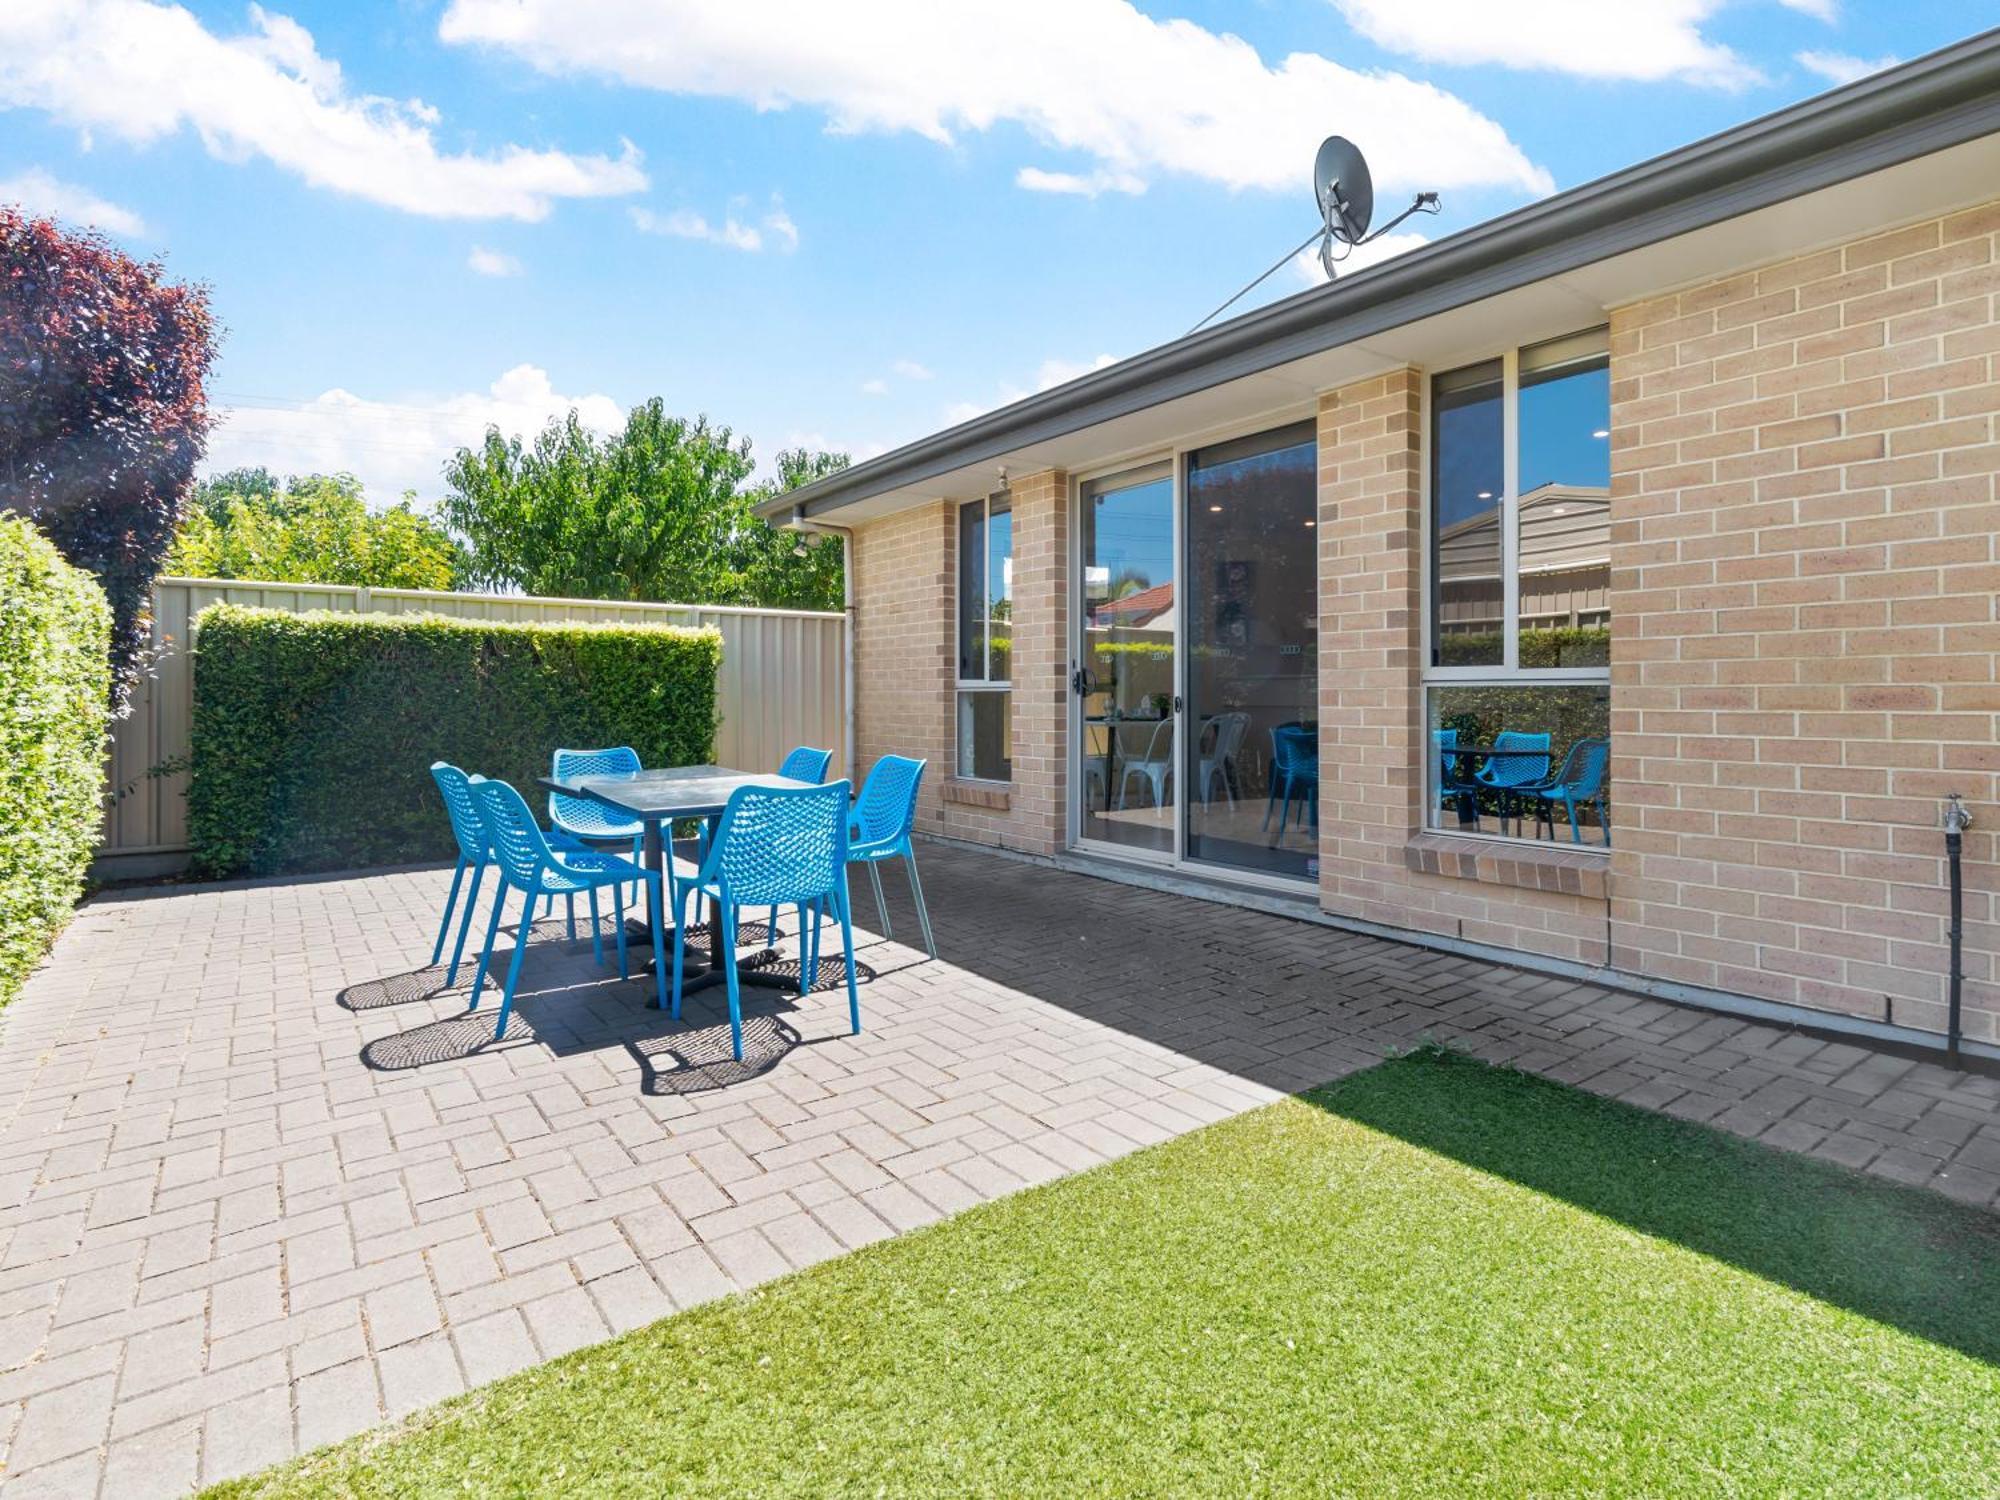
column 1435, row 1278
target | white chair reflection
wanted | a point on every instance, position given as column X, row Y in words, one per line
column 1219, row 764
column 1153, row 767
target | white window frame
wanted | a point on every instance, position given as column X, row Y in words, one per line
column 1509, row 670
column 962, row 686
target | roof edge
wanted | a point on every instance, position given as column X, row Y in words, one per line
column 1934, row 102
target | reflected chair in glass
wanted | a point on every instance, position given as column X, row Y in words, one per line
column 885, row 817
column 1517, row 766
column 803, row 764
column 1219, row 764
column 1581, row 780
column 528, row 863
column 777, row 846
column 462, row 807
column 583, row 824
column 1153, row 768
column 1294, row 774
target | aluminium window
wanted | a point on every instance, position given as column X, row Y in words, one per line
column 1519, row 614
column 984, row 710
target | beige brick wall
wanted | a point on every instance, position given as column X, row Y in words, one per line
column 1804, row 625
column 905, row 650
column 1372, row 733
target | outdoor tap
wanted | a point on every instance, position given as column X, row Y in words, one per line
column 1957, row 816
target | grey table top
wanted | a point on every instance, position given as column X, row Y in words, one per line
column 672, row 792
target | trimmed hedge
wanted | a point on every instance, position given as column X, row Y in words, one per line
column 314, row 733
column 55, row 691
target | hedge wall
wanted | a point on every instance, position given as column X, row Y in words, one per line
column 55, row 692
column 314, row 733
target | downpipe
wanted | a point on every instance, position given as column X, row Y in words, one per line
column 1956, row 820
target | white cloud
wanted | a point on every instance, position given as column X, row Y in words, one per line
column 685, row 224
column 876, row 387
column 139, row 71
column 492, row 262
column 1643, row 40
column 1097, row 77
column 1820, row 10
column 392, row 446
column 1839, row 67
column 1309, row 270
column 1050, row 373
column 1035, row 180
column 909, row 369
column 38, row 194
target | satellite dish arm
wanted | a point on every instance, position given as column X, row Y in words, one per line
column 1425, row 203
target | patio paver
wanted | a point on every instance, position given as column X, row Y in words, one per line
column 263, row 1184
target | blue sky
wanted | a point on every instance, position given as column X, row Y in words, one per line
column 843, row 224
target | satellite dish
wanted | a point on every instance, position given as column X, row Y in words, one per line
column 1344, row 188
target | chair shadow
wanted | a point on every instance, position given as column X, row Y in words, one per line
column 1898, row 1255
column 426, row 983
column 701, row 1060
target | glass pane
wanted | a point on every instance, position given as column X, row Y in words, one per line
column 1125, row 549
column 1565, row 508
column 972, row 591
column 1253, row 654
column 1468, row 471
column 986, row 734
column 1522, row 761
column 1000, row 591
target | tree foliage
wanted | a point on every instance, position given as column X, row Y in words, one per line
column 103, row 412
column 314, row 528
column 660, row 511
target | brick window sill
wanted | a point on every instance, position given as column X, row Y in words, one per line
column 995, row 796
column 1570, row 869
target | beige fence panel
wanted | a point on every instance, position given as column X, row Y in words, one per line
column 781, row 685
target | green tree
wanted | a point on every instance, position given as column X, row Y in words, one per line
column 314, row 528
column 660, row 511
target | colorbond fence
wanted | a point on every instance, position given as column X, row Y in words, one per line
column 782, row 684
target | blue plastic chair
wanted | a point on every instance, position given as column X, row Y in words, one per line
column 528, row 864
column 1294, row 773
column 584, row 823
column 776, row 846
column 881, row 827
column 1446, row 741
column 1508, row 774
column 462, row 806
column 803, row 764
column 1581, row 780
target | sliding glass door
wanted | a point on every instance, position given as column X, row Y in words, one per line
column 1252, row 647
column 1196, row 670
column 1124, row 677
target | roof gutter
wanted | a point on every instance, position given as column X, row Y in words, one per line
column 1936, row 102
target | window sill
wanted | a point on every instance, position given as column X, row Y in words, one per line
column 1569, row 869
column 995, row 796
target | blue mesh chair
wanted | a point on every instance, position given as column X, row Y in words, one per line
column 881, row 828
column 462, row 806
column 1508, row 774
column 527, row 863
column 584, row 823
column 1581, row 779
column 1294, row 773
column 803, row 764
column 776, row 846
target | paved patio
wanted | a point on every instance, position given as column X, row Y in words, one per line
column 263, row 1184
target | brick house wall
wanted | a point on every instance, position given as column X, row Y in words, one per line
column 1805, row 635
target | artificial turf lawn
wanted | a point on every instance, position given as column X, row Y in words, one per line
column 1435, row 1278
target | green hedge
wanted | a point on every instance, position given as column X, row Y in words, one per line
column 55, row 694
column 314, row 733
column 1551, row 646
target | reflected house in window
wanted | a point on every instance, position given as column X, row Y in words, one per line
column 1565, row 579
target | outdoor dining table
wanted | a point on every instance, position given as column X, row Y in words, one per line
column 658, row 799
column 1464, row 791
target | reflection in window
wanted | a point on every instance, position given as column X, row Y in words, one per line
column 1468, row 474
column 986, row 733
column 1565, row 505
column 1522, row 759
